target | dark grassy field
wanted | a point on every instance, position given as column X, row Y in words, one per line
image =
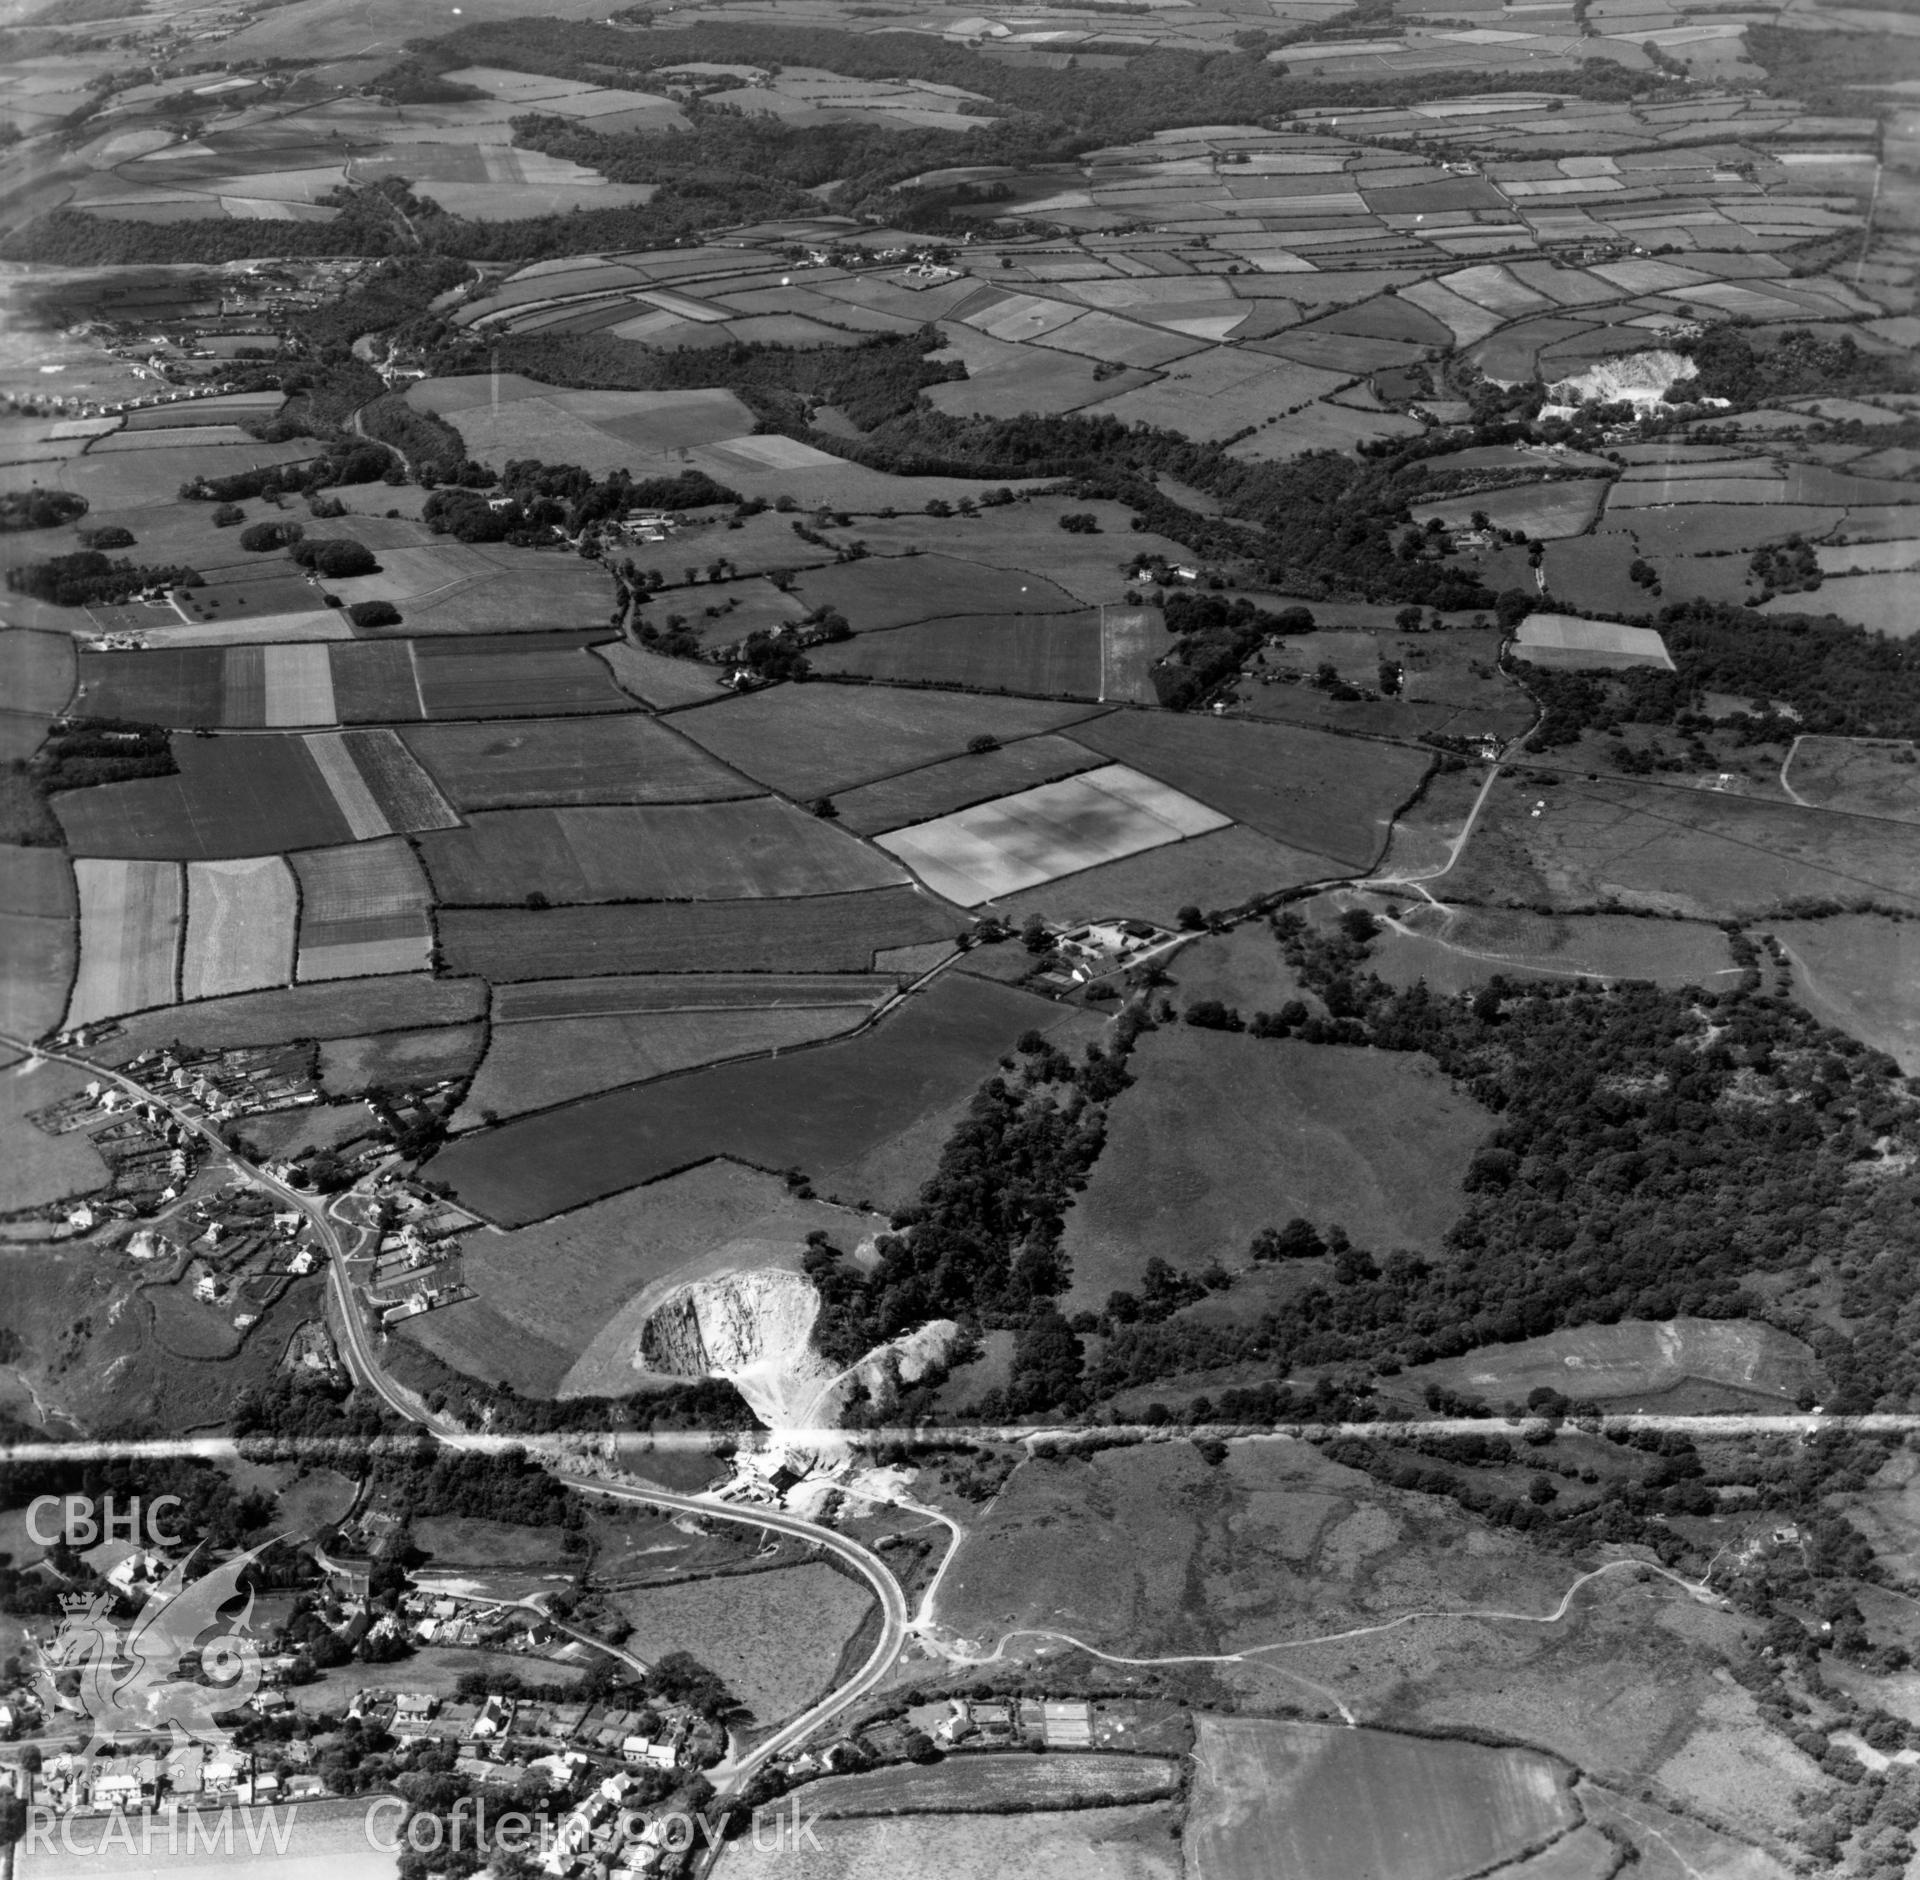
column 167, row 685
column 342, row 1009
column 894, row 590
column 230, row 796
column 628, row 759
column 817, row 740
column 990, row 1782
column 810, row 1110
column 1045, row 655
column 373, row 683
column 459, row 678
column 37, row 671
column 1224, row 1134
column 532, row 1065
column 682, row 852
column 817, row 934
column 1219, row 870
column 349, row 1067
column 1334, row 796
column 937, row 789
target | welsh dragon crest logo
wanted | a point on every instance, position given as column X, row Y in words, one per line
column 141, row 1678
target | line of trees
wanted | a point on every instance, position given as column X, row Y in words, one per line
column 89, row 578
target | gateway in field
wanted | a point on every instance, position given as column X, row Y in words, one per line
column 998, row 848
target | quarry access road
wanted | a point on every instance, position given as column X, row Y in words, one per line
column 734, row 1773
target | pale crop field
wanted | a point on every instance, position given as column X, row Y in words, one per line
column 130, row 919
column 979, row 854
column 1319, row 1802
column 240, row 922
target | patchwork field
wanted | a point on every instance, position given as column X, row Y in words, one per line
column 812, row 1109
column 1223, row 1134
column 363, row 909
column 483, row 673
column 234, row 797
column 240, row 922
column 817, row 740
column 629, row 759
column 600, row 431
column 1324, row 1803
column 811, row 934
column 982, row 854
column 130, row 923
column 230, row 797
column 377, row 785
column 696, row 851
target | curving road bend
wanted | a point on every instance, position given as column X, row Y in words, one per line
column 346, row 1239
column 736, row 1770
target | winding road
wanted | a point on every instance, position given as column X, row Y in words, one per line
column 1255, row 1654
column 347, row 1240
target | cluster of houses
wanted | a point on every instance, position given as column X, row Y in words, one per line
column 1083, row 954
column 187, row 1777
column 151, row 1157
column 417, row 1268
column 503, row 1739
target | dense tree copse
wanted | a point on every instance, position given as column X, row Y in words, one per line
column 89, row 578
column 1655, row 1147
column 39, row 509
